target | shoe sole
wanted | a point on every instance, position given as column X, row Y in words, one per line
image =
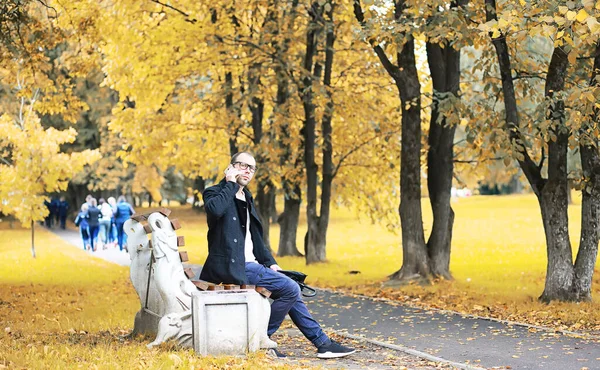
column 334, row 355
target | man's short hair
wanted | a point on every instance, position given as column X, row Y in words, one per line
column 236, row 156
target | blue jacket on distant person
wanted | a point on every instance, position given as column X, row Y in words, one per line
column 124, row 211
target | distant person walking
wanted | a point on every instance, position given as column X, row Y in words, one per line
column 63, row 210
column 124, row 212
column 50, row 217
column 105, row 222
column 84, row 229
column 55, row 209
column 93, row 219
column 112, row 236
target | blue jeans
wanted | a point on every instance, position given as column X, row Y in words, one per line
column 104, row 231
column 121, row 236
column 287, row 299
column 94, row 235
column 84, row 231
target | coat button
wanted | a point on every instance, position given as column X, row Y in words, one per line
column 232, row 260
column 234, row 219
column 235, row 240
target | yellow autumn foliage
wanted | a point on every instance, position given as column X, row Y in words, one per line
column 35, row 165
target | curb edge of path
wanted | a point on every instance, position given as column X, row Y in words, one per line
column 409, row 351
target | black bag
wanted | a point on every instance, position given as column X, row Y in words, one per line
column 299, row 278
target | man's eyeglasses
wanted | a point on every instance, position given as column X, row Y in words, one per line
column 245, row 166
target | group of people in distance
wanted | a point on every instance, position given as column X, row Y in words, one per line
column 101, row 222
column 57, row 212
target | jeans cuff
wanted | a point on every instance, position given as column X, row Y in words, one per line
column 322, row 340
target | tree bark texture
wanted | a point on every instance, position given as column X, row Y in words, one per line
column 263, row 206
column 308, row 134
column 265, row 186
column 199, row 186
column 444, row 64
column 414, row 258
column 288, row 220
column 327, row 150
column 554, row 198
column 590, row 204
column 229, row 106
column 288, row 224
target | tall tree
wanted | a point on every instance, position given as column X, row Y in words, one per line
column 564, row 280
column 405, row 76
column 443, row 57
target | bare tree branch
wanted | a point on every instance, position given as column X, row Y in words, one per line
column 175, row 9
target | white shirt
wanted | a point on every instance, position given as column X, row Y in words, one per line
column 248, row 245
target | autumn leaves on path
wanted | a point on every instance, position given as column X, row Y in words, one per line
column 452, row 337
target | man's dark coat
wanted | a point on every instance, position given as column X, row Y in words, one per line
column 226, row 239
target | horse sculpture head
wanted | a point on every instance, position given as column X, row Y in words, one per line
column 137, row 240
column 164, row 238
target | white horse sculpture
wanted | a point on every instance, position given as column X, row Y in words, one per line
column 152, row 309
column 173, row 285
column 166, row 306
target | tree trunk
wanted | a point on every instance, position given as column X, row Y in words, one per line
column 590, row 204
column 414, row 258
column 530, row 169
column 288, row 220
column 33, row 239
column 263, row 206
column 198, row 187
column 326, row 129
column 288, row 223
column 444, row 64
column 233, row 148
column 559, row 271
column 554, row 198
column 590, row 225
column 273, row 212
column 308, row 133
column 551, row 193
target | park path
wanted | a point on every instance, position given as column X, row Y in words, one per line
column 457, row 340
column 113, row 255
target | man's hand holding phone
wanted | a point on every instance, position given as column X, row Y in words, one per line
column 231, row 173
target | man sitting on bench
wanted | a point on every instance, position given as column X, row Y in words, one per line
column 237, row 255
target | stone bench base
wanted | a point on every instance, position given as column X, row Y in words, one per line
column 230, row 322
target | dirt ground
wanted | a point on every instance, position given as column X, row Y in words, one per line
column 368, row 356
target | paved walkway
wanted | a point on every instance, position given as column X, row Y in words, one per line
column 454, row 337
column 110, row 254
column 460, row 341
